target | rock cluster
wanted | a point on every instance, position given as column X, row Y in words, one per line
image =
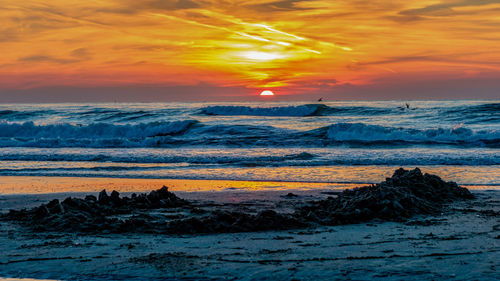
column 224, row 221
column 94, row 213
column 405, row 194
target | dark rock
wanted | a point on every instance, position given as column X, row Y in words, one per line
column 53, row 203
column 41, row 212
column 143, row 199
column 153, row 197
column 115, row 197
column 405, row 194
column 92, row 215
column 103, row 197
column 163, row 192
column 55, row 207
column 220, row 222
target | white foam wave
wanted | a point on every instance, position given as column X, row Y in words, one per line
column 345, row 132
column 192, row 133
column 96, row 130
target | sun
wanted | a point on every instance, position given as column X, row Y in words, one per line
column 267, row 93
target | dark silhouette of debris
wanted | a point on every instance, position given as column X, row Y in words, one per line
column 407, row 193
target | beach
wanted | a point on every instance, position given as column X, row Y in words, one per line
column 459, row 244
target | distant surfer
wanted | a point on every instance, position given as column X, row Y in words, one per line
column 407, row 105
column 320, row 99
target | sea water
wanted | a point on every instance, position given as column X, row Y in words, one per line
column 345, row 142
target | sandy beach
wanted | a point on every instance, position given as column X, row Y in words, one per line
column 459, row 244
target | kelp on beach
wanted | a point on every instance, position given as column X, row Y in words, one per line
column 406, row 194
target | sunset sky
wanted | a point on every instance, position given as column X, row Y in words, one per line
column 130, row 50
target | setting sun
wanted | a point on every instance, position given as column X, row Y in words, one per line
column 267, row 93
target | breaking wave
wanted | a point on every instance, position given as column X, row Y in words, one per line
column 97, row 130
column 359, row 132
column 296, row 111
column 194, row 133
column 482, row 113
column 290, row 111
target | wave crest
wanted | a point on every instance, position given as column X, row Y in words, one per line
column 290, row 111
column 92, row 131
column 193, row 133
column 345, row 132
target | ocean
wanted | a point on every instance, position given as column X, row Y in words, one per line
column 333, row 142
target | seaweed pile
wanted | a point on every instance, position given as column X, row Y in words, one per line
column 407, row 193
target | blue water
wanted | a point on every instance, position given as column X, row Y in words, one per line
column 252, row 141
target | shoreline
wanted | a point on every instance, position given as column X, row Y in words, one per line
column 260, row 234
column 31, row 185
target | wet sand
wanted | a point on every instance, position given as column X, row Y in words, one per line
column 41, row 185
column 460, row 244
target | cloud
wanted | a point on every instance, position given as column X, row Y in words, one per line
column 457, row 63
column 398, row 59
column 434, row 10
column 399, row 87
column 8, row 34
column 44, row 58
column 280, row 6
column 291, row 42
column 446, row 9
column 169, row 5
column 134, row 6
column 131, row 93
column 81, row 53
column 25, row 22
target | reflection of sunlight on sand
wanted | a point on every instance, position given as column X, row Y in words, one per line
column 39, row 185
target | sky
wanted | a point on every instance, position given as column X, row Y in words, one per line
column 175, row 50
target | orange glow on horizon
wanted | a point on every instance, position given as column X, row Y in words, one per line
column 298, row 46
